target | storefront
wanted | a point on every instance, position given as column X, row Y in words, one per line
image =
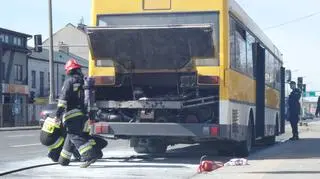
column 15, row 105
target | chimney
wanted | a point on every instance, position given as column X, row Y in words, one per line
column 63, row 47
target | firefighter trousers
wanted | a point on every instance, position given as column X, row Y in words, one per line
column 74, row 122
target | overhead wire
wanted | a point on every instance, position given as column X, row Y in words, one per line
column 292, row 21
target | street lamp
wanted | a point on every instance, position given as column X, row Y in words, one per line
column 51, row 70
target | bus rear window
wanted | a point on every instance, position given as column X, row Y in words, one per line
column 167, row 19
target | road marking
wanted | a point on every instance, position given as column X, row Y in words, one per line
column 25, row 145
column 22, row 135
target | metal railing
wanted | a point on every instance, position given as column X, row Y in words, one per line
column 12, row 115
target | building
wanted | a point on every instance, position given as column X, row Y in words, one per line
column 38, row 71
column 71, row 39
column 13, row 77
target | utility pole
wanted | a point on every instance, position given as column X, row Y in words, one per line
column 1, row 78
column 51, row 70
column 1, row 72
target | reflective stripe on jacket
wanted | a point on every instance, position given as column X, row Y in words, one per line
column 50, row 124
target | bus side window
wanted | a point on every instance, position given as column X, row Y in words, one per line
column 250, row 63
column 238, row 52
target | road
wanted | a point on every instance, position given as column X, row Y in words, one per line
column 293, row 159
column 25, row 145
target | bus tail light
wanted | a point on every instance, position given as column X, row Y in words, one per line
column 104, row 80
column 214, row 131
column 101, row 128
column 210, row 80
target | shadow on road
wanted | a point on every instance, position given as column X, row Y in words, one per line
column 302, row 149
column 185, row 155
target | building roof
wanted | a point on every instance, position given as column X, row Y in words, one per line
column 59, row 56
column 14, row 32
column 68, row 25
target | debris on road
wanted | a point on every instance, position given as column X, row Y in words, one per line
column 237, row 162
column 208, row 165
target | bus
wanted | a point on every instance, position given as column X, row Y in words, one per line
column 166, row 72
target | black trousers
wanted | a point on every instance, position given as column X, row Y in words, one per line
column 76, row 138
column 55, row 154
column 294, row 125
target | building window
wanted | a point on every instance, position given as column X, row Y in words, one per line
column 3, row 72
column 63, row 78
column 17, row 41
column 33, row 78
column 4, row 38
column 1, row 37
column 18, row 72
column 41, row 83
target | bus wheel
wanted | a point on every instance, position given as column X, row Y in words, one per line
column 270, row 140
column 151, row 146
column 243, row 149
column 157, row 146
column 141, row 149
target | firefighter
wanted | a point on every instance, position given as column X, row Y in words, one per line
column 294, row 109
column 71, row 101
column 53, row 135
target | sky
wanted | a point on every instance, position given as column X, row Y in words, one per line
column 299, row 41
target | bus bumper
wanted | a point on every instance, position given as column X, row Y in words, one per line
column 123, row 130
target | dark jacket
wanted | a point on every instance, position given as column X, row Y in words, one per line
column 318, row 107
column 72, row 95
column 294, row 103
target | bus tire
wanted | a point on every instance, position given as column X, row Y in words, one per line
column 270, row 140
column 153, row 146
column 244, row 147
column 157, row 147
column 141, row 149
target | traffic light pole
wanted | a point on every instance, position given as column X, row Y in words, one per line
column 51, row 70
column 1, row 78
column 302, row 105
column 1, row 72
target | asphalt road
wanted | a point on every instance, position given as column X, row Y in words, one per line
column 25, row 145
column 181, row 161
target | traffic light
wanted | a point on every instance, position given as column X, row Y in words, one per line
column 37, row 43
column 304, row 88
column 300, row 82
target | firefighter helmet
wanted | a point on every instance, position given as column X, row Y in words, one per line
column 71, row 65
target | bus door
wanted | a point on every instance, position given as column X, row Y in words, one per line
column 259, row 59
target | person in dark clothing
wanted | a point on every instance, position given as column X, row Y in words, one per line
column 53, row 135
column 294, row 109
column 318, row 107
column 71, row 101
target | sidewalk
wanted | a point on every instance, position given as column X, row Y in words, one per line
column 294, row 159
column 19, row 128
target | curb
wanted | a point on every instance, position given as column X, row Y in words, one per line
column 19, row 128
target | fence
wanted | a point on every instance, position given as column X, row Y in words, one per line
column 12, row 115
